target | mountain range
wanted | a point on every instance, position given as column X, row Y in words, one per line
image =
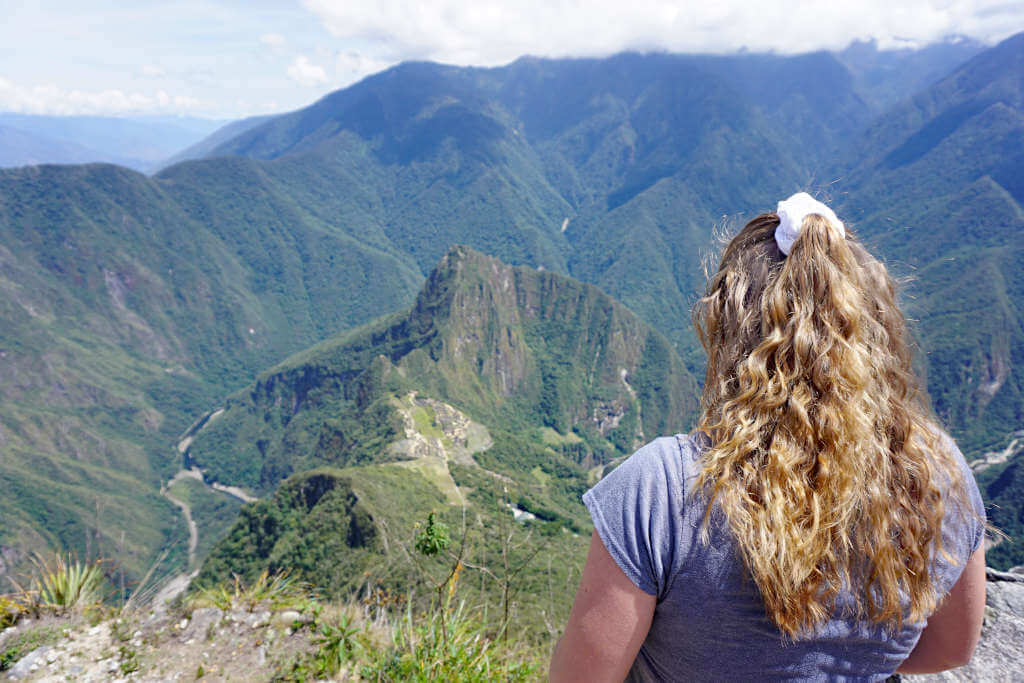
column 143, row 143
column 135, row 308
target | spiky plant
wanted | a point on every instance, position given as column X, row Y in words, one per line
column 65, row 583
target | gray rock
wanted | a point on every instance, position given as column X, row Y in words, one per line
column 29, row 663
column 202, row 619
column 258, row 619
column 289, row 616
column 1005, row 597
column 1012, row 576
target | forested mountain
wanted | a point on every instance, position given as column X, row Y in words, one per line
column 611, row 170
column 129, row 306
column 499, row 384
column 132, row 306
column 939, row 190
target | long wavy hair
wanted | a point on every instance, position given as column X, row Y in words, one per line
column 825, row 458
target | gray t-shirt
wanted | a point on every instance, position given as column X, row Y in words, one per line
column 710, row 622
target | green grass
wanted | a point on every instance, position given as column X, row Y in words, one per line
column 553, row 438
column 542, row 477
column 465, row 650
column 266, row 591
column 426, row 422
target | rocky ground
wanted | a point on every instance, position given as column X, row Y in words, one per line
column 260, row 644
column 210, row 644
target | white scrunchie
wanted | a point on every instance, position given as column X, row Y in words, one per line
column 791, row 218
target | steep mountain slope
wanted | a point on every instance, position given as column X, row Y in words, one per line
column 129, row 305
column 518, row 350
column 218, row 137
column 502, row 386
column 938, row 191
column 1003, row 486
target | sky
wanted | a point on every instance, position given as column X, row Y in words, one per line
column 226, row 59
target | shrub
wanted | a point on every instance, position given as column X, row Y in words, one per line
column 276, row 591
column 11, row 610
column 458, row 650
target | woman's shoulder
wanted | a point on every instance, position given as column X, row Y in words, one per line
column 661, row 469
column 688, row 446
column 639, row 510
column 676, row 454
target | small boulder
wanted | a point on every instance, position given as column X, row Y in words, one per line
column 202, row 619
column 289, row 616
column 258, row 619
column 28, row 664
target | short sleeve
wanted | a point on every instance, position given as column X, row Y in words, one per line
column 974, row 517
column 637, row 513
column 963, row 524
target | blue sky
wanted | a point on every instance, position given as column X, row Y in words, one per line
column 230, row 58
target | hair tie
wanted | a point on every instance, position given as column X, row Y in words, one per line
column 791, row 218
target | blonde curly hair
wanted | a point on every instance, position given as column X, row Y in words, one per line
column 825, row 458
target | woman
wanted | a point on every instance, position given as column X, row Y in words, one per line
column 817, row 524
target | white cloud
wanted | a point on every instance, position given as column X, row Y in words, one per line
column 273, row 39
column 152, row 70
column 488, row 32
column 50, row 99
column 351, row 66
column 304, row 72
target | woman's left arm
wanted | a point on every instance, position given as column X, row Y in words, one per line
column 607, row 625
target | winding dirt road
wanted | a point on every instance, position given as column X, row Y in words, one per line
column 186, row 510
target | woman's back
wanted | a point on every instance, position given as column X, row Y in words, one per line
column 822, row 519
column 710, row 619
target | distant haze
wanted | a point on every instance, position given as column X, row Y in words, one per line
column 225, row 59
